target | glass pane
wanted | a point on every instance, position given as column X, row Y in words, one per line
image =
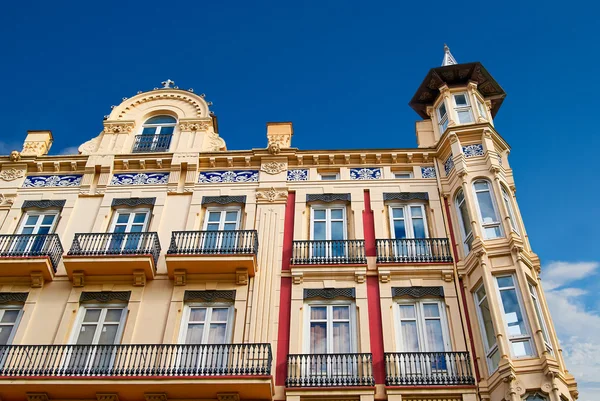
column 219, row 314
column 341, row 312
column 166, row 130
column 122, row 218
column 48, row 219
column 5, row 334
column 319, row 230
column 465, row 219
column 329, row 177
column 43, row 230
column 442, row 110
column 136, row 229
column 461, row 100
column 435, row 339
column 512, row 313
column 161, row 120
column 416, row 211
column 149, row 131
column 506, row 281
column 337, row 214
column 214, row 216
column 212, row 227
column 495, row 359
column 431, row 310
column 120, row 229
column 10, row 316
column 337, row 230
column 488, row 327
column 319, row 214
column 197, row 314
column 418, row 228
column 464, row 116
column 27, row 230
column 407, row 311
column 230, row 227
column 492, row 232
column 480, row 293
column 341, row 337
column 488, row 215
column 91, row 315
column 318, row 312
column 481, row 186
column 231, row 216
column 521, row 348
column 318, row 338
column 108, row 334
column 31, row 220
column 139, row 218
column 113, row 315
column 410, row 338
column 86, row 334
column 398, row 213
column 399, row 229
column 194, row 334
column 216, row 333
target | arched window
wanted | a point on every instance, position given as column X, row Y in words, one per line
column 465, row 220
column 511, row 213
column 488, row 212
column 156, row 134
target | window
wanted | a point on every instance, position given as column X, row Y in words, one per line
column 536, row 397
column 221, row 226
column 442, row 117
column 408, row 221
column 423, row 327
column 488, row 213
column 516, row 326
column 480, row 108
column 96, row 325
column 487, row 329
column 33, row 227
column 156, row 134
column 403, row 175
column 511, row 213
column 463, row 108
column 329, row 176
column 540, row 317
column 465, row 220
column 127, row 228
column 328, row 230
column 9, row 321
column 330, row 329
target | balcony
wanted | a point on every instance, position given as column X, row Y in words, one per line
column 413, row 250
column 152, row 143
column 329, row 252
column 329, row 370
column 114, row 254
column 24, row 254
column 428, row 369
column 212, row 252
column 134, row 369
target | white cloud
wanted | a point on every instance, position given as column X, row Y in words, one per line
column 558, row 273
column 578, row 328
column 71, row 150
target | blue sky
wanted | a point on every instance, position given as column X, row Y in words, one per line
column 343, row 73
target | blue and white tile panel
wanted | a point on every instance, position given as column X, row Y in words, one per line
column 140, row 179
column 297, row 175
column 208, row 177
column 42, row 181
column 473, row 150
column 449, row 164
column 428, row 172
column 365, row 173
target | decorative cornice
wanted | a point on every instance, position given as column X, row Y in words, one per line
column 329, row 293
column 405, row 196
column 209, row 296
column 272, row 194
column 44, row 204
column 418, row 292
column 11, row 174
column 105, row 296
column 224, row 200
column 328, row 198
column 273, row 167
column 10, row 297
column 133, row 202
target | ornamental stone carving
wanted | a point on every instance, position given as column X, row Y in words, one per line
column 272, row 194
column 11, row 174
column 216, row 143
column 193, row 126
column 118, row 127
column 34, row 149
column 90, row 146
column 274, row 148
column 273, row 167
column 6, row 201
column 15, row 156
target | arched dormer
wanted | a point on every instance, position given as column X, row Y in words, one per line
column 186, row 117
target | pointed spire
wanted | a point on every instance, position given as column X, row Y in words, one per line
column 448, row 57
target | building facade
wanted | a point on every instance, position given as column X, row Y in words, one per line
column 158, row 265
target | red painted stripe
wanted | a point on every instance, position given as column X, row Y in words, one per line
column 462, row 290
column 373, row 298
column 285, row 294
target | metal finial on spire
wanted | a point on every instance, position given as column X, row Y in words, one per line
column 448, row 57
column 167, row 84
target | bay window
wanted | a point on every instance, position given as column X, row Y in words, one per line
column 488, row 212
column 514, row 318
column 442, row 117
column 465, row 221
column 486, row 326
column 462, row 108
column 540, row 316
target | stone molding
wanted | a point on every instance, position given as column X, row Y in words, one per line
column 273, row 167
column 272, row 195
column 12, row 174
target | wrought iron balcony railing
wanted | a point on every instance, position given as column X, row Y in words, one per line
column 137, row 360
column 152, row 143
column 413, row 250
column 106, row 244
column 328, row 252
column 326, row 370
column 32, row 245
column 238, row 242
column 428, row 368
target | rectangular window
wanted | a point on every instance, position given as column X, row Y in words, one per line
column 33, row 228
column 463, row 108
column 540, row 317
column 481, row 108
column 329, row 176
column 442, row 117
column 511, row 213
column 423, row 327
column 408, row 221
column 487, row 329
column 488, row 212
column 328, row 230
column 9, row 321
column 221, row 227
column 403, row 175
column 514, row 319
column 465, row 220
column 126, row 227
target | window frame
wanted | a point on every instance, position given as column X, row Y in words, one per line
column 223, row 210
column 522, row 337
column 326, row 174
column 408, row 219
column 420, row 320
column 468, row 107
column 535, row 299
column 329, row 340
column 481, row 107
column 185, row 318
column 498, row 222
column 104, row 307
column 489, row 349
column 15, row 324
column 507, row 199
column 410, row 175
column 442, row 119
column 467, row 237
column 28, row 213
column 158, row 126
column 119, row 211
column 328, row 220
